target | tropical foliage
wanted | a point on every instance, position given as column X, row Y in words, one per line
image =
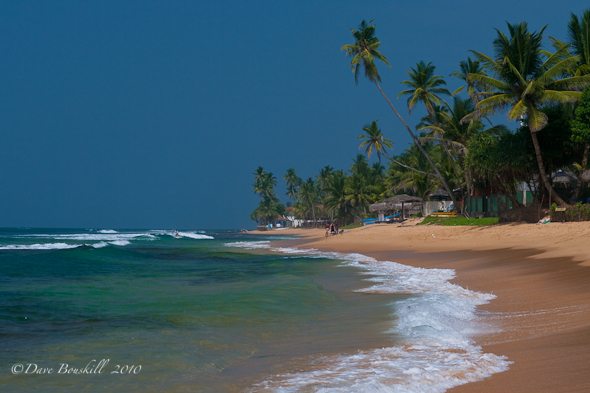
column 269, row 208
column 543, row 91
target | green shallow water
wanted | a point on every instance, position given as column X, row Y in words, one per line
column 197, row 316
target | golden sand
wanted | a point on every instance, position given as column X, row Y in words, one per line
column 539, row 273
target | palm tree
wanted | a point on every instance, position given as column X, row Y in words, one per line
column 308, row 195
column 324, row 176
column 336, row 201
column 269, row 207
column 358, row 184
column 457, row 132
column 293, row 183
column 264, row 183
column 360, row 167
column 580, row 126
column 467, row 67
column 322, row 181
column 523, row 80
column 373, row 139
column 425, row 87
column 417, row 182
column 363, row 53
column 579, row 35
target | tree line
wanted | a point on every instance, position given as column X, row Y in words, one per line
column 456, row 146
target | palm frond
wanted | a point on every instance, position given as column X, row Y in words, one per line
column 457, row 90
column 487, row 62
column 488, row 82
column 493, row 103
column 561, row 97
column 558, row 69
column 515, row 72
column 518, row 110
column 572, row 83
column 537, row 120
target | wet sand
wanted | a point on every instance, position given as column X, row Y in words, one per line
column 539, row 273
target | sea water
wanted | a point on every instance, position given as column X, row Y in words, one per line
column 94, row 310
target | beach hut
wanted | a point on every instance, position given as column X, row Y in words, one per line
column 438, row 201
column 397, row 203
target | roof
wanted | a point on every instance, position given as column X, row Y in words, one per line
column 562, row 176
column 394, row 202
column 439, row 194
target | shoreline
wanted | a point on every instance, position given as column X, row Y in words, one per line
column 539, row 274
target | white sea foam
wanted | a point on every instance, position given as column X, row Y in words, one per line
column 61, row 246
column 436, row 321
column 120, row 242
column 39, row 246
column 98, row 245
column 250, row 245
column 106, row 237
column 198, row 235
column 107, row 231
column 193, row 235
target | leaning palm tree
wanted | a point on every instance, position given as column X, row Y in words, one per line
column 363, row 53
column 425, row 87
column 522, row 79
column 579, row 40
column 373, row 139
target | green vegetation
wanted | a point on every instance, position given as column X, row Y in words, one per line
column 456, row 147
column 577, row 212
column 457, row 221
column 269, row 207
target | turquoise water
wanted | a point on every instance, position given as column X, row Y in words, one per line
column 176, row 312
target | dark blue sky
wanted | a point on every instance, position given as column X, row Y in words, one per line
column 156, row 113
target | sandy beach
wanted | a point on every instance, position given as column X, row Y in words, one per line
column 539, row 273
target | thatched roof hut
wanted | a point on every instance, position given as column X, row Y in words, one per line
column 396, row 202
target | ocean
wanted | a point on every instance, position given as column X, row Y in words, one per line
column 95, row 310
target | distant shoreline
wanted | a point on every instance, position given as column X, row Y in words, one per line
column 539, row 273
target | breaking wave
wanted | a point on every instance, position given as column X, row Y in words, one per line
column 437, row 321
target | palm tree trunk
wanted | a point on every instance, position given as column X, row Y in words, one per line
column 543, row 174
column 417, row 143
column 584, row 165
column 409, row 167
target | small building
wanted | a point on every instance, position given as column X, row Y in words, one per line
column 403, row 204
column 438, row 201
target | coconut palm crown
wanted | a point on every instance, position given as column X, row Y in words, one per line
column 521, row 79
column 364, row 51
column 373, row 139
column 424, row 86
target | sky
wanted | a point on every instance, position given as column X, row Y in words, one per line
column 155, row 114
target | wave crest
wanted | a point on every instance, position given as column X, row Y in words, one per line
column 436, row 321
